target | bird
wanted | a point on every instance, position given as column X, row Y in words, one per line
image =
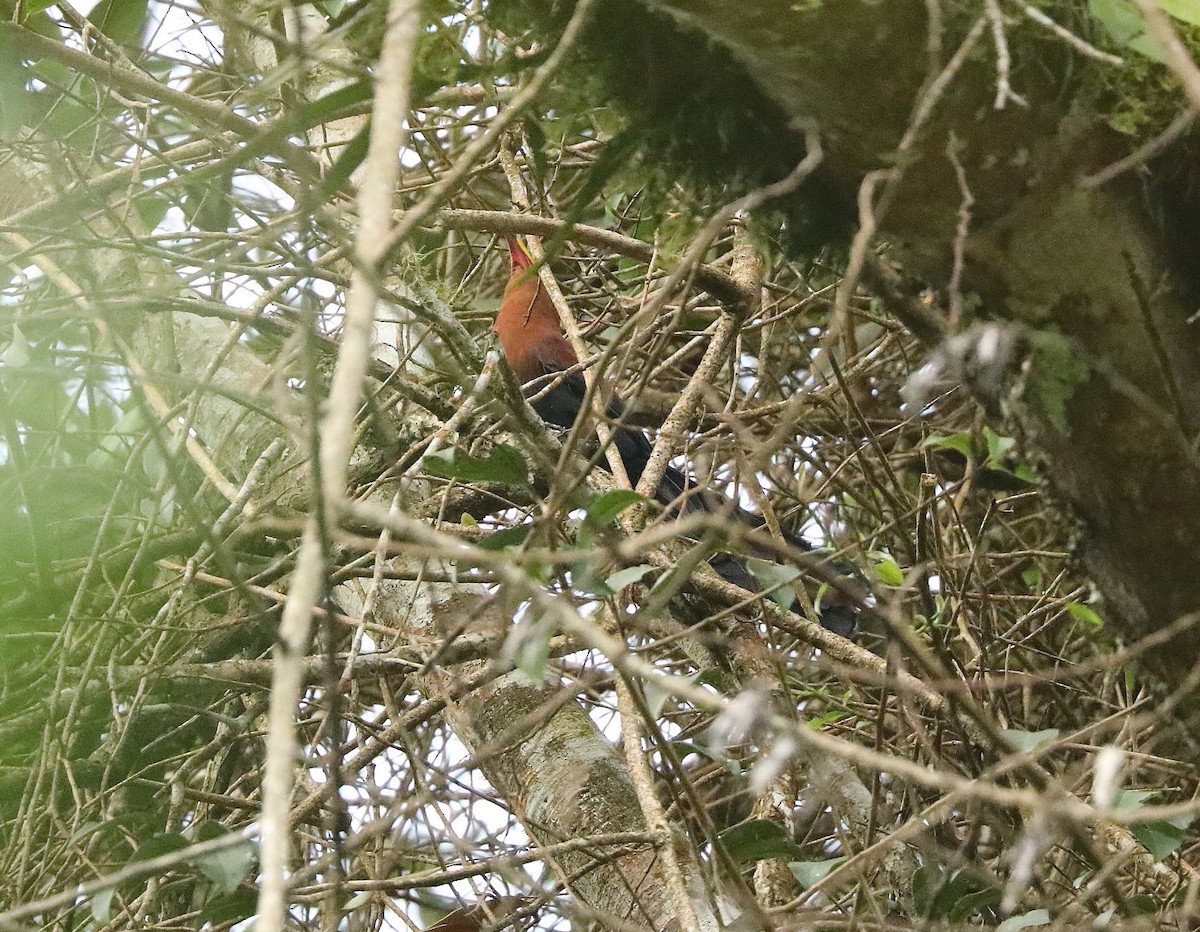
column 531, row 337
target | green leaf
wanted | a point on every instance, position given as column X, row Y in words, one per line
column 230, row 908
column 509, row 537
column 158, row 846
column 604, row 507
column 102, row 905
column 713, row 677
column 29, row 7
column 998, row 447
column 1028, row 740
column 1085, row 614
column 1187, row 11
column 585, row 577
column 349, row 157
column 228, row 868
column 775, row 579
column 529, row 645
column 888, row 571
column 16, row 354
column 982, row 902
column 537, row 147
column 151, row 209
column 1125, row 25
column 14, row 93
column 1140, row 904
column 1159, row 838
column 503, row 464
column 656, row 698
column 809, row 872
column 1133, row 799
column 336, row 102
column 960, row 442
column 612, row 205
column 1035, row 917
column 628, row 576
column 758, row 840
column 940, row 892
column 120, row 20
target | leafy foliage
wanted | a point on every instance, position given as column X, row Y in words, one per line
column 171, row 305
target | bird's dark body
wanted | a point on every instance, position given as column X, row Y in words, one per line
column 531, row 336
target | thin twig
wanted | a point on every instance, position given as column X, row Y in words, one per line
column 669, row 868
column 1080, row 45
column 381, row 171
column 1177, row 129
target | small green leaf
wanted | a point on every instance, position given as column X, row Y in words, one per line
column 1125, row 25
column 1159, row 838
column 14, row 91
column 529, row 645
column 604, row 507
column 151, row 210
column 226, row 869
column 628, row 576
column 1028, row 740
column 774, row 579
column 888, row 572
column 998, row 447
column 503, row 464
column 960, row 442
column 230, row 908
column 509, row 537
column 537, row 147
column 348, row 158
column 585, row 578
column 16, row 354
column 120, row 20
column 102, row 905
column 656, row 698
column 331, row 104
column 158, row 846
column 1035, row 917
column 29, row 7
column 1187, row 11
column 809, row 872
column 758, row 840
column 1085, row 614
column 983, row 901
column 1133, row 799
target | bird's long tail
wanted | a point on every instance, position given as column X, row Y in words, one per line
column 676, row 490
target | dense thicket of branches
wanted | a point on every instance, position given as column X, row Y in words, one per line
column 513, row 683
